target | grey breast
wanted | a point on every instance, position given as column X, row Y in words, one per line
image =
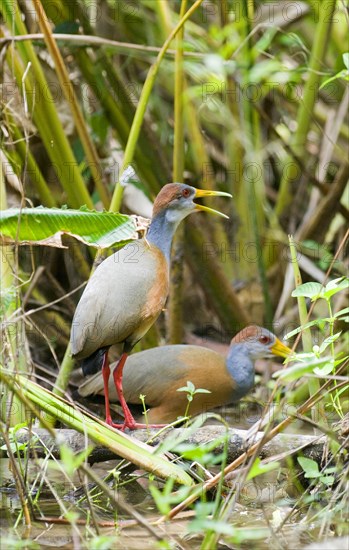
column 109, row 308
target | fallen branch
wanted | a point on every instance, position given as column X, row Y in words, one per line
column 281, row 444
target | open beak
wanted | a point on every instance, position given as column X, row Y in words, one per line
column 280, row 349
column 205, row 193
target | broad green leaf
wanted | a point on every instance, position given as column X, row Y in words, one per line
column 46, row 225
column 309, row 466
column 258, row 468
column 308, row 290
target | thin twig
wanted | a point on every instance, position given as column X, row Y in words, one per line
column 90, row 40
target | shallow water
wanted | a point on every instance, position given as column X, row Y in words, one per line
column 262, row 502
column 261, row 507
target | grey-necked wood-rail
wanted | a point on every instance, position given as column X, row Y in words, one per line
column 157, row 373
column 128, row 290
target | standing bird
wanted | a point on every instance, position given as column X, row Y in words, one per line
column 128, row 290
column 158, row 373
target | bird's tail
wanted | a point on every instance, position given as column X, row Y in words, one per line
column 93, row 363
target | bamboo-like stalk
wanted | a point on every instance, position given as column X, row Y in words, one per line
column 306, row 107
column 44, row 114
column 237, row 154
column 175, row 302
column 112, row 92
column 32, row 168
column 246, row 159
column 164, row 15
column 13, row 346
column 68, row 91
column 313, row 383
column 37, row 179
column 118, row 442
column 142, row 105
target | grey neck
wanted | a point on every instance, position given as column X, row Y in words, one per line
column 161, row 231
column 241, row 368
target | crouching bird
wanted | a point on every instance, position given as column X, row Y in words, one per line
column 128, row 290
column 158, row 373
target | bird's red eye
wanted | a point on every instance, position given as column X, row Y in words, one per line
column 264, row 339
column 185, row 193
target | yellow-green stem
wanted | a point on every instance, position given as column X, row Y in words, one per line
column 175, row 306
column 314, row 383
column 12, row 335
column 42, row 108
column 142, row 105
column 68, row 91
column 306, row 109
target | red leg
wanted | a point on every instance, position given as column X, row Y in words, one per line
column 106, row 375
column 117, row 375
column 129, row 420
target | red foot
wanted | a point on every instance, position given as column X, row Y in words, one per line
column 132, row 425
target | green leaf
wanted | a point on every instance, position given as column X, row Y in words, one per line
column 345, row 57
column 316, row 290
column 296, row 371
column 7, row 296
column 308, row 290
column 325, row 370
column 162, row 504
column 309, row 466
column 202, row 390
column 99, row 125
column 191, row 387
column 334, row 286
column 67, row 457
column 307, row 325
column 329, row 340
column 71, row 460
column 258, row 468
column 199, row 525
column 327, row 480
column 344, row 73
column 46, row 225
column 341, row 312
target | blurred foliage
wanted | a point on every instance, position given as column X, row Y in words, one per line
column 259, row 110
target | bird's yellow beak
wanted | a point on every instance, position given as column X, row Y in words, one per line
column 205, row 193
column 280, row 349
